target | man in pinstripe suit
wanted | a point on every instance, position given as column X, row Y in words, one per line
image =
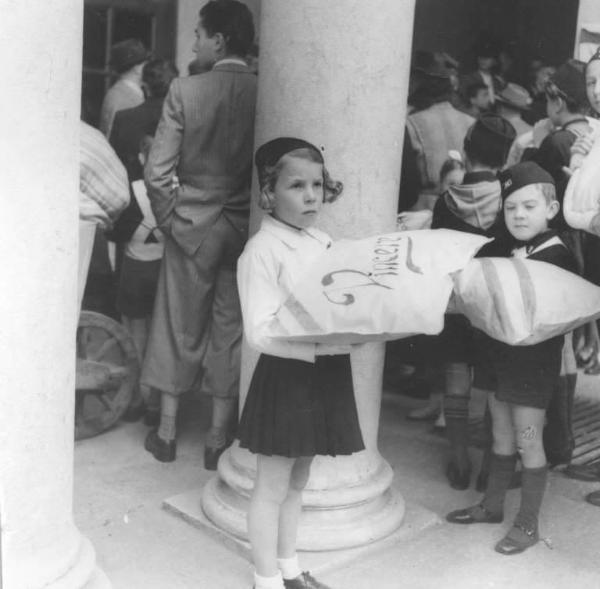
column 205, row 138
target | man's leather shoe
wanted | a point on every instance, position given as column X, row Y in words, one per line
column 477, row 514
column 304, row 581
column 162, row 450
column 584, row 472
column 212, row 455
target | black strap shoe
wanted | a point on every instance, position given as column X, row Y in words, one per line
column 304, row 581
column 477, row 514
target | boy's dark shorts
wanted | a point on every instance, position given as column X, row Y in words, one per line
column 137, row 287
column 524, row 375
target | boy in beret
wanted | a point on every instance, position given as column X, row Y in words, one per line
column 473, row 207
column 525, row 376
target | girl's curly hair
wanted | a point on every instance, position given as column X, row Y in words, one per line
column 267, row 178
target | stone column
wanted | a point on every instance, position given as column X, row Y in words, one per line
column 39, row 150
column 336, row 74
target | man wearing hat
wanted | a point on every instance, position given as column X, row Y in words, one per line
column 511, row 101
column 127, row 60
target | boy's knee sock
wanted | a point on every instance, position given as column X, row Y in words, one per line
column 500, row 475
column 456, row 412
column 533, row 487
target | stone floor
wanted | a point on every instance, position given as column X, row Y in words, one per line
column 120, row 488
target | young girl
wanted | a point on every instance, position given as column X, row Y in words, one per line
column 525, row 376
column 301, row 398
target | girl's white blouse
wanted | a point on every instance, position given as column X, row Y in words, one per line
column 274, row 259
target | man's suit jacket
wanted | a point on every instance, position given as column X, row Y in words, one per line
column 205, row 137
column 129, row 127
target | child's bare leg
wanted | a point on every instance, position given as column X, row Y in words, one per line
column 529, row 423
column 503, row 458
column 292, row 507
column 270, row 491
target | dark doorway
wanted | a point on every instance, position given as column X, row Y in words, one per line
column 543, row 29
column 106, row 22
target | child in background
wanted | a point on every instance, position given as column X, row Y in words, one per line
column 451, row 174
column 525, row 375
column 301, row 398
column 138, row 281
column 473, row 207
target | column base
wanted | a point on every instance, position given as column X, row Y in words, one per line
column 83, row 573
column 349, row 513
column 188, row 507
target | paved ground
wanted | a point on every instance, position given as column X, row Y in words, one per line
column 119, row 489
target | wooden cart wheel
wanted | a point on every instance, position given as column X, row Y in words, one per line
column 107, row 372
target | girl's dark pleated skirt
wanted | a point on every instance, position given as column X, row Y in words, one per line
column 296, row 408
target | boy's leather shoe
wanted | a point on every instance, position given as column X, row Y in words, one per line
column 517, row 540
column 304, row 581
column 162, row 450
column 477, row 514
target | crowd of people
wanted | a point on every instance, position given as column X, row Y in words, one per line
column 483, row 154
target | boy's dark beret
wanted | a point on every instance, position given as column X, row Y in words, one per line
column 520, row 175
column 271, row 152
column 569, row 78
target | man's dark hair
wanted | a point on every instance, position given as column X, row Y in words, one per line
column 233, row 20
column 572, row 105
column 157, row 75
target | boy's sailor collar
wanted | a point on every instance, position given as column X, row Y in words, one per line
column 538, row 242
column 291, row 236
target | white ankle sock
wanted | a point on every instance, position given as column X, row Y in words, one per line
column 289, row 567
column 275, row 582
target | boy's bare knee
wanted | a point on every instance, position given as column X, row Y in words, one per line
column 528, row 439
